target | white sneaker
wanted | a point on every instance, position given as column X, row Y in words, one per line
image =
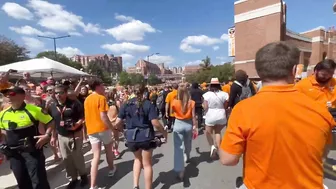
column 96, row 187
column 112, row 172
column 213, row 150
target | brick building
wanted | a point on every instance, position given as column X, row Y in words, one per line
column 191, row 69
column 264, row 21
column 110, row 63
column 146, row 68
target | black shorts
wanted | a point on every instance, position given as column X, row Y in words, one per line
column 135, row 146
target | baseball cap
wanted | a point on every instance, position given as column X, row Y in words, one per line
column 15, row 89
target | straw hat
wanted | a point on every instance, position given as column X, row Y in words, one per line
column 214, row 81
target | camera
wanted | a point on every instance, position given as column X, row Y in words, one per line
column 68, row 123
column 159, row 140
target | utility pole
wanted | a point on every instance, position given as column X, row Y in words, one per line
column 151, row 55
column 54, row 38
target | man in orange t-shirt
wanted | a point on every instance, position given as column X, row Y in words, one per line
column 98, row 128
column 281, row 132
column 169, row 113
column 321, row 86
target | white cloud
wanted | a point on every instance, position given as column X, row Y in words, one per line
column 188, row 48
column 195, row 62
column 17, row 11
column 133, row 30
column 92, row 28
column 225, row 37
column 75, row 34
column 188, row 43
column 161, row 59
column 215, row 48
column 126, row 48
column 55, row 17
column 28, row 30
column 69, row 51
column 123, row 18
column 33, row 43
column 127, row 57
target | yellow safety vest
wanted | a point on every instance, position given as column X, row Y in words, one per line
column 23, row 117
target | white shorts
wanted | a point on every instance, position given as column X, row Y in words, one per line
column 104, row 137
column 215, row 117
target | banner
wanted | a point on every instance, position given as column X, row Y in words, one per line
column 231, row 42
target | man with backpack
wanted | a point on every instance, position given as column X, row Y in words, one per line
column 161, row 103
column 241, row 88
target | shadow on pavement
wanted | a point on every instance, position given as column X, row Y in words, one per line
column 61, row 179
column 123, row 169
column 169, row 179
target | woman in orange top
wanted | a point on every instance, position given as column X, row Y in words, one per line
column 185, row 122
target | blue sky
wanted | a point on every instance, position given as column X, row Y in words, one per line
column 182, row 31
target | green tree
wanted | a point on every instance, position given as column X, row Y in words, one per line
column 60, row 58
column 136, row 79
column 153, row 79
column 95, row 69
column 206, row 63
column 10, row 52
column 222, row 72
column 124, row 78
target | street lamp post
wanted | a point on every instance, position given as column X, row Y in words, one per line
column 151, row 55
column 54, row 38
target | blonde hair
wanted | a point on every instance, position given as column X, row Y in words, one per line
column 183, row 95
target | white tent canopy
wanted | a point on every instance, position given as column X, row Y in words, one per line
column 43, row 67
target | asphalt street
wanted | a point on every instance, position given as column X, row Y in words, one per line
column 201, row 172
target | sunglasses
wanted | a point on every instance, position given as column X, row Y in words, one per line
column 10, row 94
column 59, row 92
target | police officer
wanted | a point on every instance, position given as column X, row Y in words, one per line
column 24, row 143
column 140, row 115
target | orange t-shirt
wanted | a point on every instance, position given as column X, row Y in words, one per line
column 6, row 85
column 93, row 105
column 169, row 99
column 227, row 87
column 282, row 134
column 310, row 87
column 177, row 109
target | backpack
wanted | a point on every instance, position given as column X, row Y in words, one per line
column 138, row 125
column 246, row 91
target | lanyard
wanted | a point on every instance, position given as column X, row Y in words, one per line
column 59, row 110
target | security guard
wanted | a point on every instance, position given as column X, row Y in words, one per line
column 24, row 143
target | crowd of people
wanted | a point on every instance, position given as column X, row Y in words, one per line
column 281, row 125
